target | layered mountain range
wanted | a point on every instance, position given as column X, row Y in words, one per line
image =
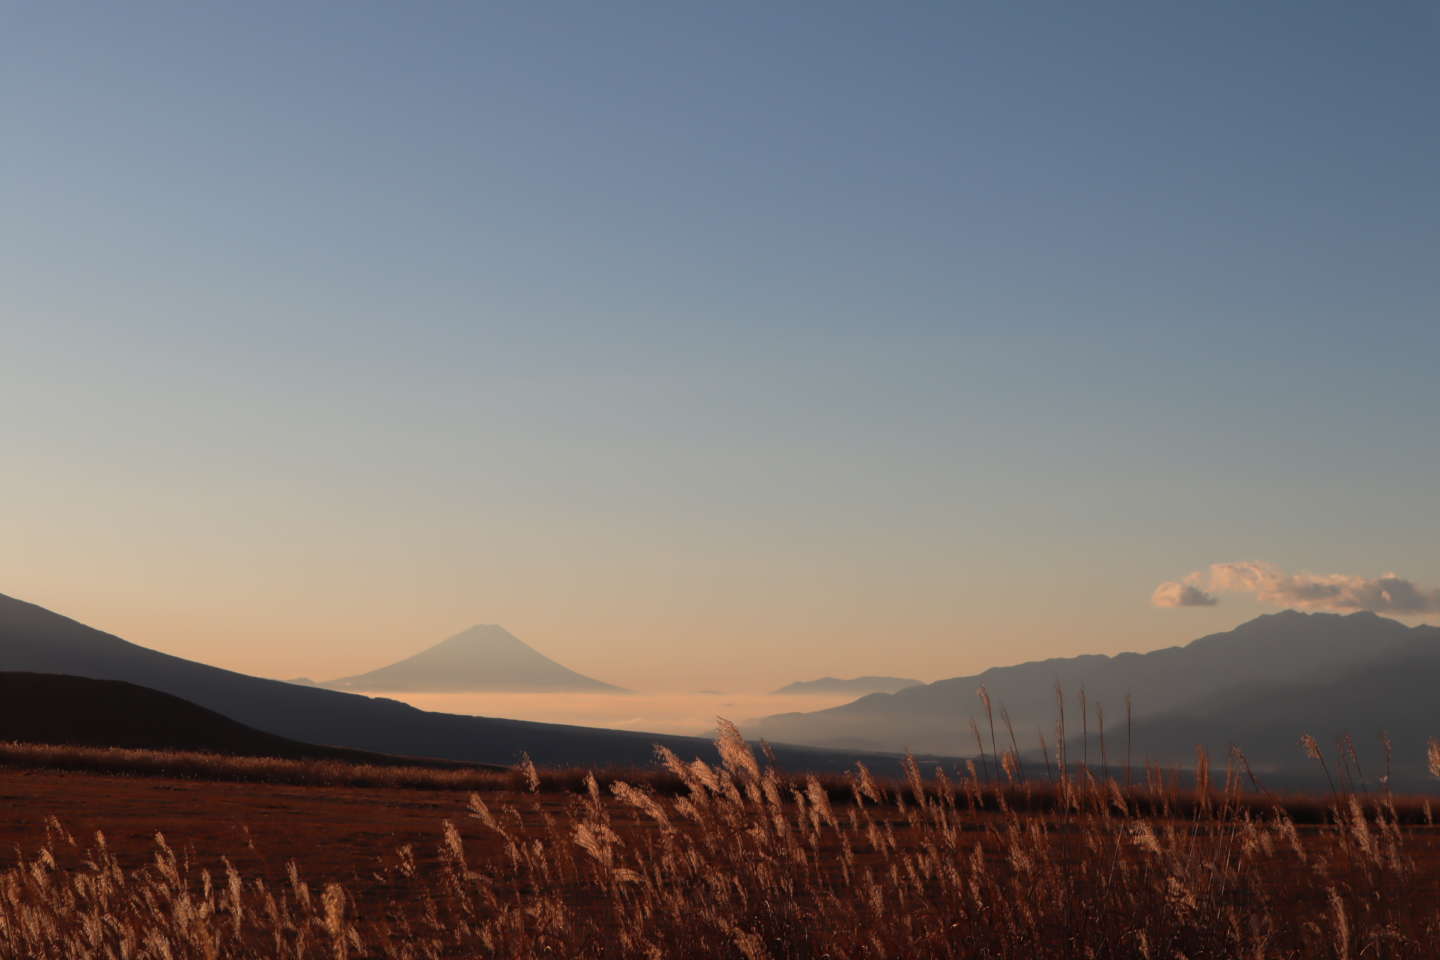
column 1344, row 679
column 1259, row 686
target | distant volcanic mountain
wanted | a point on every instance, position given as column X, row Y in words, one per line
column 35, row 640
column 483, row 658
column 855, row 686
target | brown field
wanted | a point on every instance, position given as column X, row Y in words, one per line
column 693, row 861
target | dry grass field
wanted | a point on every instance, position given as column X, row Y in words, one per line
column 690, row 860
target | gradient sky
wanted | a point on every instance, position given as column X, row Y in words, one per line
column 708, row 345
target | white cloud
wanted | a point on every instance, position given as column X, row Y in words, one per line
column 1173, row 593
column 1389, row 593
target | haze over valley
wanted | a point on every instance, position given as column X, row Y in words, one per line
column 681, row 712
column 488, row 671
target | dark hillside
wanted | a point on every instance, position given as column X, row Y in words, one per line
column 37, row 640
column 80, row 711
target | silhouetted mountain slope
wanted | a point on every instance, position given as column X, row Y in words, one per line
column 36, row 640
column 1291, row 647
column 850, row 685
column 1394, row 694
column 481, row 658
column 82, row 711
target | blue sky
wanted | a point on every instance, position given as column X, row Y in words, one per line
column 709, row 340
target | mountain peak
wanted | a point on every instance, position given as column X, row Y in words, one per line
column 484, row 633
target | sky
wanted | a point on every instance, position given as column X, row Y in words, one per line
column 711, row 345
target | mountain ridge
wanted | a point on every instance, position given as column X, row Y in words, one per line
column 1386, row 699
column 1292, row 645
column 865, row 684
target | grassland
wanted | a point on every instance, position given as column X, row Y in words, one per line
column 696, row 860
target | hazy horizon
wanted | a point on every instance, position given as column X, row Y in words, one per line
column 689, row 713
column 754, row 682
column 716, row 347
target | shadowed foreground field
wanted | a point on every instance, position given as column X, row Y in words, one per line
column 698, row 861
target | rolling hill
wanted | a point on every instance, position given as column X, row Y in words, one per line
column 81, row 711
column 33, row 639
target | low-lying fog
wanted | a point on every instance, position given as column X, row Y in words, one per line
column 680, row 713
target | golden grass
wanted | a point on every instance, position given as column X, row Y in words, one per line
column 223, row 767
column 739, row 861
column 216, row 767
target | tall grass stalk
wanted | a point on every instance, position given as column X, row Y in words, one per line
column 744, row 862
